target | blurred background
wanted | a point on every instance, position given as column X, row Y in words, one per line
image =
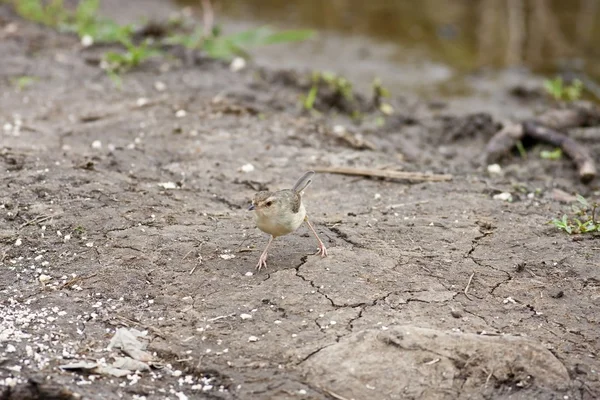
column 429, row 46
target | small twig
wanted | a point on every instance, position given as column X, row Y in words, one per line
column 220, row 317
column 469, row 284
column 408, row 204
column 41, row 218
column 402, row 175
column 334, row 395
column 199, row 258
column 187, row 254
column 488, row 377
column 77, row 279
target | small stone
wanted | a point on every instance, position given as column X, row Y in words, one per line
column 504, row 196
column 10, row 348
column 18, row 242
column 456, row 314
column 45, row 278
column 180, row 113
column 557, row 294
column 96, row 144
column 253, row 339
column 245, row 316
column 247, row 168
column 87, row 41
column 237, row 64
column 494, row 169
column 160, row 86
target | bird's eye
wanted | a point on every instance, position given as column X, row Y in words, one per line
column 269, row 203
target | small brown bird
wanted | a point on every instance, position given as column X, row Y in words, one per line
column 282, row 212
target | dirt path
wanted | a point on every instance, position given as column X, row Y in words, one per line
column 111, row 198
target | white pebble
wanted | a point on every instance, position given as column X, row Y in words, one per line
column 180, row 113
column 237, row 64
column 10, row 348
column 45, row 278
column 87, row 41
column 160, row 86
column 246, row 316
column 96, row 144
column 253, row 339
column 247, row 168
column 18, row 242
column 504, row 196
column 494, row 169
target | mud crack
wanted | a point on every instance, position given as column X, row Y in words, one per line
column 344, row 237
column 303, row 261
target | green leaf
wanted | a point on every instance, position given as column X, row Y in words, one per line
column 582, row 201
column 311, row 97
column 555, row 154
column 521, row 149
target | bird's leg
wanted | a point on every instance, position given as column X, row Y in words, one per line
column 322, row 250
column 262, row 261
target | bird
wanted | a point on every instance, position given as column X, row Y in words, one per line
column 282, row 212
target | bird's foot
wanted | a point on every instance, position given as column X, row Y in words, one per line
column 262, row 262
column 322, row 250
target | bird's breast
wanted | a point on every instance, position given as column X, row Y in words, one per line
column 281, row 223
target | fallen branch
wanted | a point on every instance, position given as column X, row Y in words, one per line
column 546, row 129
column 579, row 154
column 383, row 173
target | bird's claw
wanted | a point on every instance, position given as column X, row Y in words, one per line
column 262, row 262
column 322, row 251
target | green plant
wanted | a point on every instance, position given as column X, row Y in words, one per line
column 227, row 47
column 51, row 14
column 521, row 149
column 23, row 82
column 119, row 63
column 583, row 219
column 555, row 154
column 338, row 85
column 379, row 93
column 84, row 20
column 561, row 91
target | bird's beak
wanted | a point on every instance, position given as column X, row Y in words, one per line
column 252, row 207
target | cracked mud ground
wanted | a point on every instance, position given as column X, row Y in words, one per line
column 84, row 202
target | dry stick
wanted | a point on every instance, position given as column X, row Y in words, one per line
column 403, row 175
column 334, row 395
column 41, row 218
column 469, row 284
column 545, row 129
column 579, row 154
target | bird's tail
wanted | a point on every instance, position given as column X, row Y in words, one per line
column 303, row 182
